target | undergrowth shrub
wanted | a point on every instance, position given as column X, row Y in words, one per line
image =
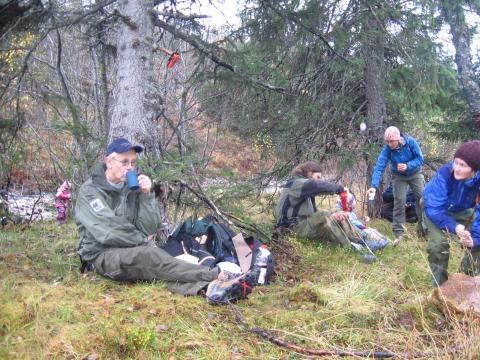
column 140, row 338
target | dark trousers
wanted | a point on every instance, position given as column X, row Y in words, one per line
column 400, row 187
column 152, row 263
column 438, row 250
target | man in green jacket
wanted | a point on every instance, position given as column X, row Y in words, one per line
column 117, row 228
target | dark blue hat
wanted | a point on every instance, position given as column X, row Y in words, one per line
column 122, row 145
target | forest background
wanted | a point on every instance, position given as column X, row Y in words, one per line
column 292, row 80
column 289, row 81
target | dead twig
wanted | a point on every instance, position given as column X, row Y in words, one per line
column 210, row 50
column 270, row 336
column 228, row 218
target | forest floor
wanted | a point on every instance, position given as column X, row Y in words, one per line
column 322, row 298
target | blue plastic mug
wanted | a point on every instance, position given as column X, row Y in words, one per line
column 132, row 180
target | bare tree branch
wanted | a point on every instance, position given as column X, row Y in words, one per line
column 125, row 19
column 59, row 68
column 72, row 21
column 205, row 49
column 178, row 15
column 268, row 335
column 193, row 40
column 227, row 217
column 19, row 74
column 79, row 18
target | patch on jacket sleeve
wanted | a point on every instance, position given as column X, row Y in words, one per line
column 97, row 205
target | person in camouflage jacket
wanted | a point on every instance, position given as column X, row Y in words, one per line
column 296, row 209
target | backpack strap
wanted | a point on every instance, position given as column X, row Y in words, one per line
column 185, row 227
column 243, row 251
column 226, row 237
column 220, row 239
column 83, row 266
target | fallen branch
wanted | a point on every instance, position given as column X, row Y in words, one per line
column 268, row 335
column 228, row 218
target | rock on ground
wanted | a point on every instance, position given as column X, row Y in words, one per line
column 459, row 296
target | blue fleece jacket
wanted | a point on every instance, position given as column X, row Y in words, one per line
column 444, row 194
column 407, row 153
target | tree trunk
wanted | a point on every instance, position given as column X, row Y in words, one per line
column 374, row 51
column 374, row 79
column 102, row 97
column 455, row 17
column 137, row 100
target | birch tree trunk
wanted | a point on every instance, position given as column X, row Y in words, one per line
column 137, row 101
column 454, row 15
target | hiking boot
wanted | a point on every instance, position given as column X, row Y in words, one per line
column 357, row 247
column 439, row 275
column 369, row 258
column 224, row 291
column 376, row 245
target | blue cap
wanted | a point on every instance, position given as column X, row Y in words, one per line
column 122, row 145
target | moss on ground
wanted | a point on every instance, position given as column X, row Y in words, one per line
column 332, row 301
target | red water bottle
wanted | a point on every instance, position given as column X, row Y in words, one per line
column 344, row 200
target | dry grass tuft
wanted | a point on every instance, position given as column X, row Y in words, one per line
column 323, row 297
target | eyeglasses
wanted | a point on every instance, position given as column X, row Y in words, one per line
column 125, row 163
column 391, row 141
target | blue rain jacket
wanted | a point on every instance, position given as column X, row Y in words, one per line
column 407, row 153
column 444, row 194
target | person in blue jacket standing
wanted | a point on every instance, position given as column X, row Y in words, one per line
column 406, row 159
column 451, row 203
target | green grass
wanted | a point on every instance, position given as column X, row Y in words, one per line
column 49, row 310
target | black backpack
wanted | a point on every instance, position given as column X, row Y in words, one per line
column 219, row 243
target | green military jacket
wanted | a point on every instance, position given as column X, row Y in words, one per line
column 297, row 199
column 107, row 217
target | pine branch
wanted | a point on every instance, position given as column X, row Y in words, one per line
column 291, row 17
